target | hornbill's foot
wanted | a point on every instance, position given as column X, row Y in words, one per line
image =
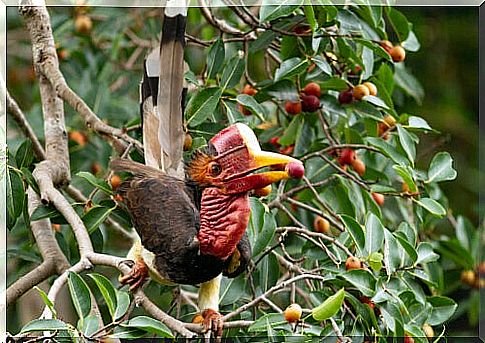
column 212, row 321
column 137, row 276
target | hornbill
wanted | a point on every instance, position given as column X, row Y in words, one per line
column 192, row 230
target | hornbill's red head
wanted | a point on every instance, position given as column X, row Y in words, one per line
column 227, row 174
column 233, row 155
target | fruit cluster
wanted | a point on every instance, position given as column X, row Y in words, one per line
column 309, row 100
column 397, row 52
column 348, row 157
column 474, row 278
column 357, row 93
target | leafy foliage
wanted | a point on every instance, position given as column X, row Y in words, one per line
column 408, row 271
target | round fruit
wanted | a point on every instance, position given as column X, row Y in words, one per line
column 96, row 168
column 115, row 181
column 293, row 107
column 56, row 227
column 398, row 53
column 481, row 269
column 187, row 142
column 287, row 150
column 408, row 339
column 359, row 166
column 83, row 24
column 295, row 170
column 367, row 301
column 275, row 141
column 372, row 87
column 244, row 110
column 347, row 156
column 249, row 90
column 262, row 192
column 62, row 54
column 310, row 103
column 468, row 277
column 428, row 330
column 321, row 225
column 293, row 313
column 378, row 198
column 198, row 319
column 386, row 45
column 353, row 263
column 312, row 88
column 389, row 120
column 360, row 91
column 78, row 137
column 345, row 97
column 381, row 128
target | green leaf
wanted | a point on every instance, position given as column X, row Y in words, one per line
column 122, row 332
column 443, row 309
column 255, row 107
column 270, row 319
column 407, row 143
column 30, row 179
column 233, row 71
column 408, row 83
column 356, row 232
column 43, row 212
column 81, row 298
column 15, row 197
column 418, row 123
column 44, row 325
column 25, row 154
column 334, row 83
column 406, row 173
column 310, row 14
column 412, row 253
column 107, row 291
column 122, row 304
column 215, row 58
column 96, row 216
column 363, row 280
column 202, row 105
column 431, row 206
column 374, row 234
column 375, row 261
column 329, row 307
column 399, row 23
column 289, row 68
column 270, row 12
column 392, row 259
column 289, row 136
column 47, row 301
column 375, row 101
column 411, row 43
column 149, row 325
column 91, row 325
column 387, row 150
column 322, row 64
column 266, row 234
column 96, row 182
column 441, row 168
column 426, row 253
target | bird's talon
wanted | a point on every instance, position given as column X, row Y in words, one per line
column 213, row 321
column 137, row 275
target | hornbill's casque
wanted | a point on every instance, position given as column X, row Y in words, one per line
column 192, row 230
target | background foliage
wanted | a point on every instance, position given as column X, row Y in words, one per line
column 412, row 249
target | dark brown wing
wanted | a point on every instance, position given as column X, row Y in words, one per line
column 167, row 220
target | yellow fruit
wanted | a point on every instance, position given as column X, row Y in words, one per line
column 293, row 313
column 468, row 277
column 398, row 53
column 115, row 181
column 428, row 330
column 372, row 88
column 360, row 91
column 353, row 263
column 187, row 142
column 83, row 24
column 389, row 120
column 359, row 166
column 321, row 225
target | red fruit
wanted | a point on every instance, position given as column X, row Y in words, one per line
column 244, row 110
column 408, row 339
column 347, row 156
column 287, row 150
column 353, row 263
column 249, row 90
column 78, row 137
column 295, row 170
column 378, row 198
column 312, row 88
column 367, row 301
column 359, row 166
column 275, row 142
column 293, row 107
column 345, row 97
column 310, row 103
column 293, row 313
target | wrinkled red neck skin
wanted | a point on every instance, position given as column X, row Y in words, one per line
column 223, row 220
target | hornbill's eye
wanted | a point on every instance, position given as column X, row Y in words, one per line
column 215, row 168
